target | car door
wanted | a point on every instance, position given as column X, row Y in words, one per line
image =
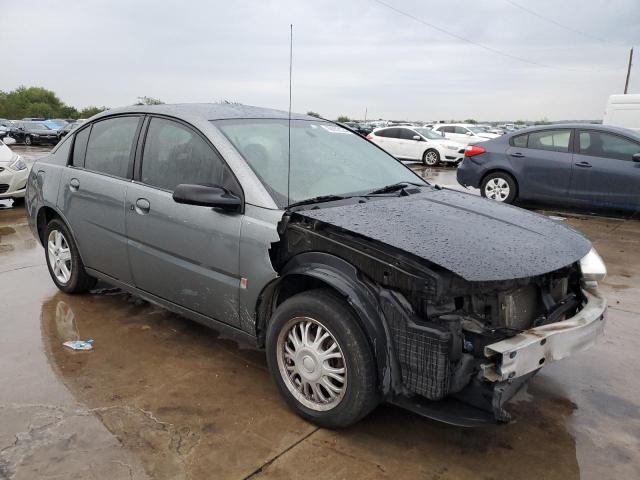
column 393, row 142
column 604, row 173
column 93, row 189
column 186, row 254
column 542, row 163
column 411, row 148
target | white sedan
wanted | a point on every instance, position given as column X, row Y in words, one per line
column 13, row 175
column 464, row 133
column 417, row 144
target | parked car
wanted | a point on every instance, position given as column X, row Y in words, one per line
column 417, row 144
column 34, row 133
column 13, row 175
column 67, row 128
column 580, row 165
column 362, row 281
column 463, row 133
column 623, row 111
column 361, row 128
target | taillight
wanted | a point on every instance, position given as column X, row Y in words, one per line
column 473, row 150
column 370, row 136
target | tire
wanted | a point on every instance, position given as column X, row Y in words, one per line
column 431, row 158
column 499, row 186
column 18, row 202
column 312, row 312
column 27, row 140
column 60, row 245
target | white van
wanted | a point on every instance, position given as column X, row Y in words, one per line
column 623, row 111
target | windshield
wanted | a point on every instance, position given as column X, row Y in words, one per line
column 429, row 134
column 325, row 159
column 37, row 126
column 477, row 129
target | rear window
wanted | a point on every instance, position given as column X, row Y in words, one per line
column 553, row 140
column 80, row 147
column 520, row 141
column 110, row 146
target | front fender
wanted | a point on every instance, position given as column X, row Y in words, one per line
column 363, row 296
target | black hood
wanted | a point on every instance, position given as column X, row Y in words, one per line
column 476, row 238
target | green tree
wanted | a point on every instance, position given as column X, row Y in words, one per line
column 314, row 114
column 343, row 118
column 470, row 120
column 149, row 101
column 39, row 102
column 90, row 111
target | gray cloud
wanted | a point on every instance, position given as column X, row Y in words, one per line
column 348, row 56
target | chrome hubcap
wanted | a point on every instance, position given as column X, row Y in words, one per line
column 59, row 256
column 311, row 363
column 497, row 189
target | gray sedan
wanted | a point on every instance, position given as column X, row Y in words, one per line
column 362, row 282
column 579, row 165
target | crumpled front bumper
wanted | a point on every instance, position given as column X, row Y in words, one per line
column 528, row 351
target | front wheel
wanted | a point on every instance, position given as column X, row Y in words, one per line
column 63, row 260
column 431, row 158
column 27, row 140
column 321, row 360
column 499, row 186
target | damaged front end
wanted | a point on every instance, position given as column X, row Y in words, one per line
column 448, row 348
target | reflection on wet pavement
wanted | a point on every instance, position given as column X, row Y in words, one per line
column 161, row 397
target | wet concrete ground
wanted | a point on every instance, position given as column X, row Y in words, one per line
column 161, row 397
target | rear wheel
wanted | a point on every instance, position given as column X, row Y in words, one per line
column 63, row 260
column 320, row 359
column 431, row 158
column 499, row 186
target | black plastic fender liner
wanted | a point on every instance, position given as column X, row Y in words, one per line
column 362, row 297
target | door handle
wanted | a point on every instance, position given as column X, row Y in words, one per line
column 74, row 184
column 583, row 164
column 517, row 154
column 142, row 206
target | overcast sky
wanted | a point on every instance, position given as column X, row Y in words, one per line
column 348, row 55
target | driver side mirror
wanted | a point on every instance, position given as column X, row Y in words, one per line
column 469, row 134
column 417, row 137
column 635, row 158
column 207, row 196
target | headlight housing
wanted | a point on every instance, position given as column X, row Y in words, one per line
column 18, row 164
column 592, row 267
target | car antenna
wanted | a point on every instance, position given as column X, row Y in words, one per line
column 289, row 137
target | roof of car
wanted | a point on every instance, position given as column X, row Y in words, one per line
column 209, row 111
column 554, row 126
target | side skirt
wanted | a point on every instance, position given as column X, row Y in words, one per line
column 223, row 328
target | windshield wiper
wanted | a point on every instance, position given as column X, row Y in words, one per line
column 318, row 199
column 395, row 187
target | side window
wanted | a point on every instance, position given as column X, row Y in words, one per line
column 60, row 155
column 520, row 141
column 394, row 133
column 80, row 147
column 600, row 144
column 381, row 133
column 460, row 130
column 554, row 140
column 407, row 134
column 111, row 145
column 175, row 154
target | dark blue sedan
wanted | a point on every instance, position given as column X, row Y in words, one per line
column 577, row 165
